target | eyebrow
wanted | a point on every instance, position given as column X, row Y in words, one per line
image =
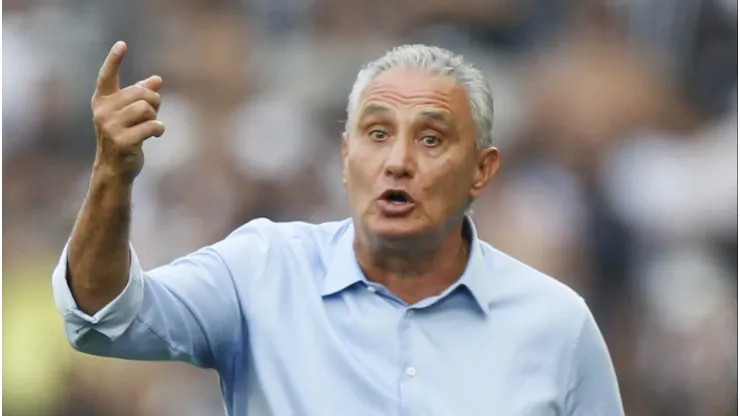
column 374, row 109
column 437, row 116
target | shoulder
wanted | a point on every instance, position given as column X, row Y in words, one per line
column 540, row 299
column 265, row 238
column 299, row 232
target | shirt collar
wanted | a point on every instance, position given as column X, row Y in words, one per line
column 344, row 270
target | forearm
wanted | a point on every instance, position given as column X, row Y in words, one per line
column 98, row 254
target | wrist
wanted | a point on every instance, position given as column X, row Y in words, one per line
column 108, row 187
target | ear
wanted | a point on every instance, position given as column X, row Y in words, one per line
column 488, row 164
column 345, row 144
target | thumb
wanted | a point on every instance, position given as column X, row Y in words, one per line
column 153, row 83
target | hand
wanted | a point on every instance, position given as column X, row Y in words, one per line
column 123, row 118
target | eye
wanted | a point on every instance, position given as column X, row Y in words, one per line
column 378, row 135
column 430, row 140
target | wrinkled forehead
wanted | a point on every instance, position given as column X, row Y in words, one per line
column 424, row 94
column 440, row 116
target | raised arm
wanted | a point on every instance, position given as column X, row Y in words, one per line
column 188, row 310
column 98, row 260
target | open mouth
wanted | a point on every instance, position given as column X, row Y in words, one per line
column 396, row 197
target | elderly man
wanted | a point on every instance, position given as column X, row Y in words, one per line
column 399, row 310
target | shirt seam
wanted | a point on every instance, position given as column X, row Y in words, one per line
column 240, row 313
column 160, row 336
column 571, row 362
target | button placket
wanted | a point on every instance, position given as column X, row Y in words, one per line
column 408, row 370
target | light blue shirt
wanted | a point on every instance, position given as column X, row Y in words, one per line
column 285, row 316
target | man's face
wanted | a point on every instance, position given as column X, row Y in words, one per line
column 410, row 162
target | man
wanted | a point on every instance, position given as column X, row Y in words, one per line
column 398, row 310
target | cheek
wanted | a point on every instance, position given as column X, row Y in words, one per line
column 360, row 174
column 447, row 187
column 355, row 170
column 364, row 163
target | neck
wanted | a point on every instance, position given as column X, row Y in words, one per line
column 415, row 270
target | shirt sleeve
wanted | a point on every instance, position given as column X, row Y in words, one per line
column 593, row 388
column 184, row 311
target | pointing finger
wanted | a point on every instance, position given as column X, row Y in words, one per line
column 108, row 76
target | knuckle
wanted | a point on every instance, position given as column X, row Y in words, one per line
column 136, row 91
column 123, row 141
column 100, row 114
column 143, row 93
column 152, row 101
column 156, row 99
column 147, row 109
column 141, row 107
column 131, row 92
column 155, row 105
column 111, row 128
column 140, row 93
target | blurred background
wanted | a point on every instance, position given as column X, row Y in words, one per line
column 616, row 120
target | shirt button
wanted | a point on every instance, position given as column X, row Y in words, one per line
column 371, row 289
column 410, row 371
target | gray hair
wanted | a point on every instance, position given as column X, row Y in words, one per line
column 439, row 61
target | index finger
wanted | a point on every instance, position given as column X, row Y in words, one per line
column 108, row 76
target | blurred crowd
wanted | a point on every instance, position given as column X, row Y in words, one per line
column 616, row 121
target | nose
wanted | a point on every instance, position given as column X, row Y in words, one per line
column 400, row 162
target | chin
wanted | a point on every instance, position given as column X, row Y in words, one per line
column 393, row 228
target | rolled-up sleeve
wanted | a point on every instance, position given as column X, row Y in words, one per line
column 593, row 387
column 112, row 320
column 188, row 310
